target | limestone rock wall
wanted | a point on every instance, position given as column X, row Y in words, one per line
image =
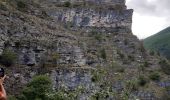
column 67, row 44
column 94, row 18
column 120, row 2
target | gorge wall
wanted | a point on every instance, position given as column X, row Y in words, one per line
column 85, row 44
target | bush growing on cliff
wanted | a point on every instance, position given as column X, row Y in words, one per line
column 67, row 4
column 131, row 85
column 165, row 66
column 8, row 58
column 155, row 76
column 38, row 88
column 22, row 5
column 103, row 53
column 3, row 6
column 142, row 81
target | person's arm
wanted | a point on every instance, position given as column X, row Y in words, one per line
column 2, row 90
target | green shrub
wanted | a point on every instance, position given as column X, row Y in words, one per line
column 38, row 88
column 18, row 44
column 143, row 66
column 131, row 57
column 22, row 5
column 103, row 94
column 98, row 74
column 121, row 69
column 131, row 85
column 103, row 53
column 98, row 37
column 146, row 64
column 8, row 58
column 60, row 95
column 142, row 80
column 154, row 76
column 95, row 77
column 3, row 6
column 67, row 4
column 120, row 54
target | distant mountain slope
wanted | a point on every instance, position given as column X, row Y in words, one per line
column 159, row 42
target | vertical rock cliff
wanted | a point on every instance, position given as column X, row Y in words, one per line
column 85, row 46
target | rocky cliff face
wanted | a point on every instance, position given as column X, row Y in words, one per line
column 93, row 18
column 116, row 16
column 78, row 43
column 96, row 2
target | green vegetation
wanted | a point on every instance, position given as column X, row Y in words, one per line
column 11, row 97
column 143, row 66
column 8, row 58
column 131, row 85
column 117, row 67
column 120, row 54
column 146, row 64
column 159, row 42
column 21, row 4
column 154, row 76
column 3, row 6
column 37, row 89
column 103, row 53
column 142, row 80
column 166, row 95
column 98, row 74
column 131, row 57
column 98, row 37
column 165, row 66
column 101, row 95
column 121, row 69
column 67, row 4
column 125, row 95
column 40, row 88
column 95, row 77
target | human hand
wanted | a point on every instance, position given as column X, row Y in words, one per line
column 2, row 79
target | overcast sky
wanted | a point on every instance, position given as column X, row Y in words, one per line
column 150, row 16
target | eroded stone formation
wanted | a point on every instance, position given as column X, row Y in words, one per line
column 116, row 17
column 78, row 43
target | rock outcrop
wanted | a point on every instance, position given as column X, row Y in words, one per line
column 78, row 43
column 94, row 18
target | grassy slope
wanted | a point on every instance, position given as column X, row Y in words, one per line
column 159, row 42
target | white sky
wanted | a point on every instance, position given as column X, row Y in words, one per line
column 145, row 25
